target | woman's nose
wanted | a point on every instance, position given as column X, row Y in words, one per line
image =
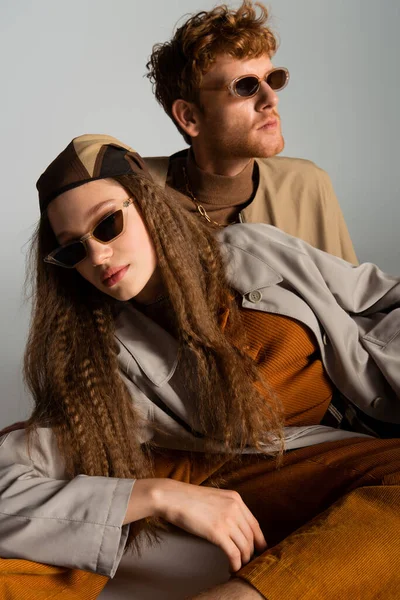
column 97, row 252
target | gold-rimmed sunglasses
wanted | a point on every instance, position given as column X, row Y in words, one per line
column 247, row 86
column 108, row 229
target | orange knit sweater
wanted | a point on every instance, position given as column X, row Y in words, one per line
column 288, row 357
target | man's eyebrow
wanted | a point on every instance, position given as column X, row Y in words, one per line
column 90, row 216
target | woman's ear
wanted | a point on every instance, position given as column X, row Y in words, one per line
column 187, row 116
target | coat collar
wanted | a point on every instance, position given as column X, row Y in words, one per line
column 246, row 267
column 153, row 348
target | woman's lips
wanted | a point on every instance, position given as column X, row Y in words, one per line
column 116, row 277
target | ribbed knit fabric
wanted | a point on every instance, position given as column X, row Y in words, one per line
column 222, row 197
column 25, row 580
column 289, row 360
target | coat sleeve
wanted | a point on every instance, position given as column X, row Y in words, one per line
column 47, row 519
column 363, row 290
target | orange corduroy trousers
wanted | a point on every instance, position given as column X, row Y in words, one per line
column 330, row 514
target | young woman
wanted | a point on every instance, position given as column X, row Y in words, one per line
column 175, row 368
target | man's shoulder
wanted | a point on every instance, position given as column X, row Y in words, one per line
column 287, row 165
column 149, row 160
column 278, row 171
column 296, row 177
column 159, row 166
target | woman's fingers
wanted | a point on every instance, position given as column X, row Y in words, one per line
column 244, row 544
column 251, row 537
column 260, row 543
column 219, row 516
column 242, row 550
column 259, row 540
column 233, row 553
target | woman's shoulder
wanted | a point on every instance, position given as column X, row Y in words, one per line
column 39, row 450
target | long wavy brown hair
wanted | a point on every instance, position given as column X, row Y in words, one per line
column 71, row 358
column 176, row 68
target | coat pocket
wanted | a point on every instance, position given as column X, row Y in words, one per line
column 382, row 342
column 386, row 332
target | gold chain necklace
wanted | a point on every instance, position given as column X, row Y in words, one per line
column 197, row 204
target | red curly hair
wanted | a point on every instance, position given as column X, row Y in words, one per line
column 176, row 68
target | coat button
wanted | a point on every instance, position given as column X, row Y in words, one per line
column 376, row 402
column 255, row 296
column 325, row 339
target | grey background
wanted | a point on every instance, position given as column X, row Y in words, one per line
column 76, row 67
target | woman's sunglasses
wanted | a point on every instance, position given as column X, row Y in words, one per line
column 247, row 86
column 106, row 230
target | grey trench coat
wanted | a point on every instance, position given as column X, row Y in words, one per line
column 354, row 313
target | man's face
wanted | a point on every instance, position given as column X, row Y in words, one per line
column 231, row 127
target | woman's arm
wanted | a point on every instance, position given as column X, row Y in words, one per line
column 219, row 516
column 83, row 523
column 44, row 518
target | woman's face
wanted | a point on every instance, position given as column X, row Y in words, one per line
column 125, row 268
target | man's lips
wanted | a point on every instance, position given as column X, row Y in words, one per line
column 270, row 124
column 113, row 276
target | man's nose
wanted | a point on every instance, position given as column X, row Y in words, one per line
column 97, row 252
column 268, row 97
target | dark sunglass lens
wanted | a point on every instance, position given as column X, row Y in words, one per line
column 70, row 255
column 247, row 86
column 277, row 79
column 109, row 227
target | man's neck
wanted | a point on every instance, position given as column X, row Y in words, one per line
column 218, row 165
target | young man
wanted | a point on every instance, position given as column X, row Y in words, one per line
column 215, row 79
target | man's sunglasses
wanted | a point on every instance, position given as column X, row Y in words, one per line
column 106, row 230
column 247, row 86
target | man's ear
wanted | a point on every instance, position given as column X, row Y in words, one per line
column 186, row 115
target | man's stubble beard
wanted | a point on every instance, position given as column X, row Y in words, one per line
column 241, row 147
column 267, row 152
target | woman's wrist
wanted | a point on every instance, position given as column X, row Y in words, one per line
column 147, row 499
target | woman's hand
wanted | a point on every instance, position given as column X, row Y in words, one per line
column 219, row 516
